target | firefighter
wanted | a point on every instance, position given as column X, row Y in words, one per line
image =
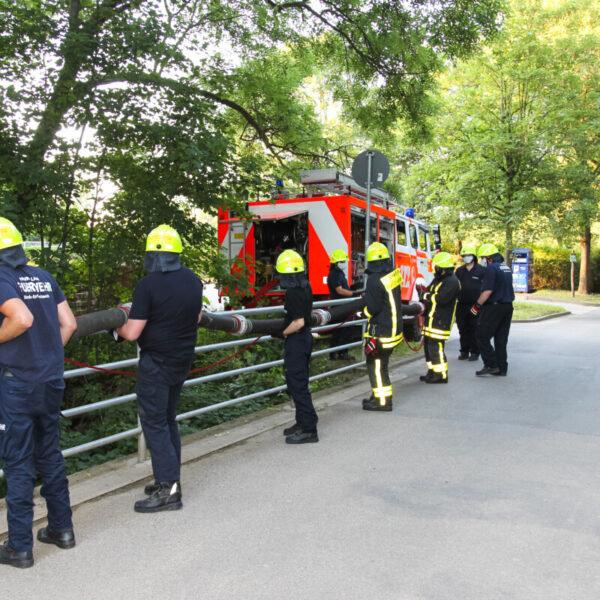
column 470, row 276
column 440, row 299
column 166, row 309
column 383, row 296
column 35, row 323
column 494, row 308
column 339, row 288
column 297, row 345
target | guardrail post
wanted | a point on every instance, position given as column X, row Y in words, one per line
column 142, row 448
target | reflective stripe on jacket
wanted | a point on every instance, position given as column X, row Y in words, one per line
column 384, row 307
column 441, row 295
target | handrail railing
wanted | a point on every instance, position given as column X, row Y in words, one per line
column 103, row 404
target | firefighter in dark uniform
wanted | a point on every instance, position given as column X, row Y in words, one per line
column 440, row 300
column 166, row 309
column 383, row 296
column 297, row 346
column 339, row 288
column 494, row 308
column 470, row 276
column 35, row 323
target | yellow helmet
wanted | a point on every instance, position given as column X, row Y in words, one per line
column 377, row 251
column 163, row 239
column 444, row 260
column 338, row 256
column 468, row 249
column 9, row 234
column 288, row 262
column 487, row 249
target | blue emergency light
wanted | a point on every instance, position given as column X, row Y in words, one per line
column 410, row 212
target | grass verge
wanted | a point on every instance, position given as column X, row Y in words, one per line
column 529, row 310
column 566, row 295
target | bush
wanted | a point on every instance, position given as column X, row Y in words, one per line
column 552, row 269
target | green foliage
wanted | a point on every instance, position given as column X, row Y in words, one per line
column 515, row 152
column 552, row 269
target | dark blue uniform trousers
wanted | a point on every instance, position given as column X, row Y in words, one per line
column 296, row 360
column 158, row 388
column 29, row 441
column 494, row 322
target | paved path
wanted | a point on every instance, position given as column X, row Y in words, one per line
column 487, row 488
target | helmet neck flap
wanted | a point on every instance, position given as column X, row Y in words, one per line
column 161, row 261
column 13, row 256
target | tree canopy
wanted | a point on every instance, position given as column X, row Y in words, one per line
column 516, row 144
column 119, row 114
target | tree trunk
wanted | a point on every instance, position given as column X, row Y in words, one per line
column 509, row 244
column 585, row 274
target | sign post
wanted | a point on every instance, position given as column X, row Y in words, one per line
column 370, row 169
column 573, row 261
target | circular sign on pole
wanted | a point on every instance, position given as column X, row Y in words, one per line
column 380, row 168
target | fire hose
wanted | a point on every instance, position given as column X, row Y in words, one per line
column 234, row 324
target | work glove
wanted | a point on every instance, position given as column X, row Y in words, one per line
column 370, row 346
column 475, row 309
column 277, row 334
column 113, row 333
column 125, row 307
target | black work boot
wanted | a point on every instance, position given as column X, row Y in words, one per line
column 427, row 377
column 437, row 378
column 152, row 487
column 63, row 539
column 474, row 356
column 21, row 560
column 463, row 355
column 487, row 371
column 302, row 437
column 373, row 404
column 295, row 428
column 166, row 497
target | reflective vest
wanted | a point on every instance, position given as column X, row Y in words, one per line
column 384, row 307
column 441, row 298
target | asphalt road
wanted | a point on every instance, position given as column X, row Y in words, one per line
column 483, row 489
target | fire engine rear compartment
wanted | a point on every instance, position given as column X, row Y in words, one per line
column 274, row 234
column 278, row 231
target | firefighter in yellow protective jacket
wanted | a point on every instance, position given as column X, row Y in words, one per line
column 440, row 299
column 383, row 297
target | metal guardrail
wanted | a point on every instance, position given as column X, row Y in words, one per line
column 137, row 431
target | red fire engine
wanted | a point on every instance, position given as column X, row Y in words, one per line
column 328, row 214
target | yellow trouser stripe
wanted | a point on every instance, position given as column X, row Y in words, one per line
column 435, row 335
column 380, row 391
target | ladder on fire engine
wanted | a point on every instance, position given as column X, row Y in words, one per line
column 333, row 181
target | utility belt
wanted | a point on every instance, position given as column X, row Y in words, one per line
column 498, row 303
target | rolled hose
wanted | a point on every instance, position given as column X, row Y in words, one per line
column 234, row 324
column 99, row 321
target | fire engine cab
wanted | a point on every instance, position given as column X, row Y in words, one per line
column 327, row 214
